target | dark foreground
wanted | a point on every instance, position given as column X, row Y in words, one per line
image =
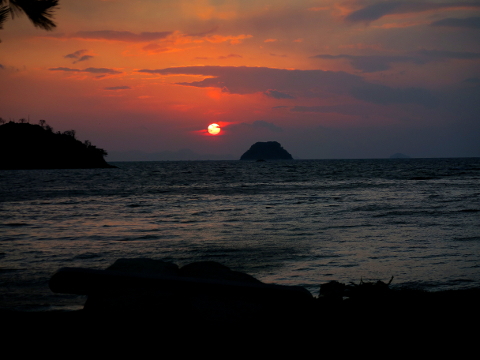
column 405, row 305
column 209, row 301
column 406, row 322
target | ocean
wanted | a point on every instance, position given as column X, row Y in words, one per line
column 301, row 222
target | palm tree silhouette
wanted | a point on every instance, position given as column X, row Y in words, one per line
column 40, row 12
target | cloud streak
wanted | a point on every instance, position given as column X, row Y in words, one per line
column 385, row 95
column 78, row 56
column 346, row 109
column 467, row 23
column 116, row 88
column 91, row 70
column 374, row 63
column 231, row 39
column 376, row 11
column 125, row 36
column 306, row 83
column 230, row 56
column 250, row 80
column 278, row 94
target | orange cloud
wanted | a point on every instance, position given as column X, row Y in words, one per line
column 319, row 8
column 232, row 39
column 203, row 10
column 155, row 48
column 229, row 56
column 217, row 94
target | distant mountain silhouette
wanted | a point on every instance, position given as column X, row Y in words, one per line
column 180, row 155
column 399, row 156
column 29, row 146
column 270, row 150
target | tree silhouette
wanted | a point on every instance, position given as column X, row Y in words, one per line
column 40, row 12
column 30, row 146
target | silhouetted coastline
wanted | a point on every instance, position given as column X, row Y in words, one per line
column 29, row 146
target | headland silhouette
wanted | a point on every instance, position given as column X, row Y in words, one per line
column 29, row 146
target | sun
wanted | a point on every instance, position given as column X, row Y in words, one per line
column 213, row 129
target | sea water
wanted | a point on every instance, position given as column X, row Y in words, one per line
column 301, row 222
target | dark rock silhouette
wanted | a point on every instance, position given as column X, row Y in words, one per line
column 143, row 266
column 270, row 150
column 145, row 296
column 334, row 291
column 215, row 271
column 206, row 292
column 29, row 146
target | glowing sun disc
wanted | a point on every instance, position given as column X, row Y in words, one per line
column 213, row 129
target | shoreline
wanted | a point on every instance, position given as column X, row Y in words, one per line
column 211, row 293
column 409, row 302
column 406, row 320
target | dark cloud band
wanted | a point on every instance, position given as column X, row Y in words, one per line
column 114, row 88
column 379, row 10
column 467, row 23
column 373, row 63
column 305, row 83
column 126, row 36
column 102, row 71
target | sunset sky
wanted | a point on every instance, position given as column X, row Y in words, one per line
column 326, row 79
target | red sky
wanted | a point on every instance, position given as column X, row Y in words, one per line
column 326, row 79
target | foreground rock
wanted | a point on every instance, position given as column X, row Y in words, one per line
column 205, row 292
column 136, row 293
column 270, row 150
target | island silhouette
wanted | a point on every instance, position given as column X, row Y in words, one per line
column 270, row 150
column 29, row 146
